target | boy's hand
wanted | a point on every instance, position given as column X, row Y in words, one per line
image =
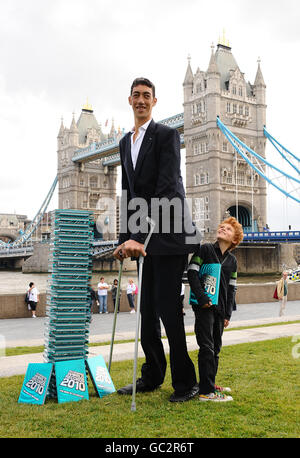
column 226, row 323
column 206, row 306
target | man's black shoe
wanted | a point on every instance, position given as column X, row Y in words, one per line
column 186, row 396
column 141, row 387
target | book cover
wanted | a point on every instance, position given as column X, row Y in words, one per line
column 71, row 381
column 100, row 376
column 209, row 275
column 36, row 382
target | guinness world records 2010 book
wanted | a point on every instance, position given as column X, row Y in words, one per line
column 209, row 275
column 36, row 382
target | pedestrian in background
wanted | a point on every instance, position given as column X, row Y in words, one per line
column 102, row 295
column 130, row 294
column 114, row 289
column 92, row 298
column 34, row 297
column 282, row 292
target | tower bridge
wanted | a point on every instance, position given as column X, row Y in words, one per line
column 217, row 180
column 223, row 131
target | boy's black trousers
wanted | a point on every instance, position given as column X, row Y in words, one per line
column 209, row 326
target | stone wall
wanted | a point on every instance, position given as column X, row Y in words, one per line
column 263, row 292
column 13, row 306
column 39, row 261
column 266, row 259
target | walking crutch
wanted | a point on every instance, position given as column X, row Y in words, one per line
column 115, row 314
column 137, row 328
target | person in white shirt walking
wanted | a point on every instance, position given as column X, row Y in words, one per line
column 130, row 294
column 33, row 298
column 102, row 295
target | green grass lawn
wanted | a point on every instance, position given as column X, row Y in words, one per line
column 264, row 378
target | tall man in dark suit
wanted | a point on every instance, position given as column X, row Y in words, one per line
column 151, row 177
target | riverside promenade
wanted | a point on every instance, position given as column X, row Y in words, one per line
column 30, row 332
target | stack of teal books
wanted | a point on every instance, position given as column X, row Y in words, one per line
column 68, row 295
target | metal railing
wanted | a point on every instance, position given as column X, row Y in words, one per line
column 272, row 236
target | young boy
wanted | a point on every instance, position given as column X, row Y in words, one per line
column 213, row 310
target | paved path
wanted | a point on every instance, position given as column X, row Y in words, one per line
column 14, row 365
column 30, row 331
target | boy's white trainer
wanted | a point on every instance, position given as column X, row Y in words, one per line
column 221, row 389
column 215, row 397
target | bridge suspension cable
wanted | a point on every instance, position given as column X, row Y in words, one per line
column 259, row 164
column 281, row 149
column 31, row 228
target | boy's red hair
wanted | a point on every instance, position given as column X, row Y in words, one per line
column 238, row 230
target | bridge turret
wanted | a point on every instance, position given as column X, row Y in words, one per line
column 60, row 134
column 188, row 93
column 74, row 133
column 213, row 88
column 188, row 80
column 112, row 132
column 259, row 90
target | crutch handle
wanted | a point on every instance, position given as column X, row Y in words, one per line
column 152, row 226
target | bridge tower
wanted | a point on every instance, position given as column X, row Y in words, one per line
column 86, row 186
column 219, row 182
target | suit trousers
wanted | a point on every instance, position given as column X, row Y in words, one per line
column 161, row 288
column 209, row 326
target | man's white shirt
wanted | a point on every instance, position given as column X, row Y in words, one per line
column 135, row 146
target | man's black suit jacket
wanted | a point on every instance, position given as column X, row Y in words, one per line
column 156, row 176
